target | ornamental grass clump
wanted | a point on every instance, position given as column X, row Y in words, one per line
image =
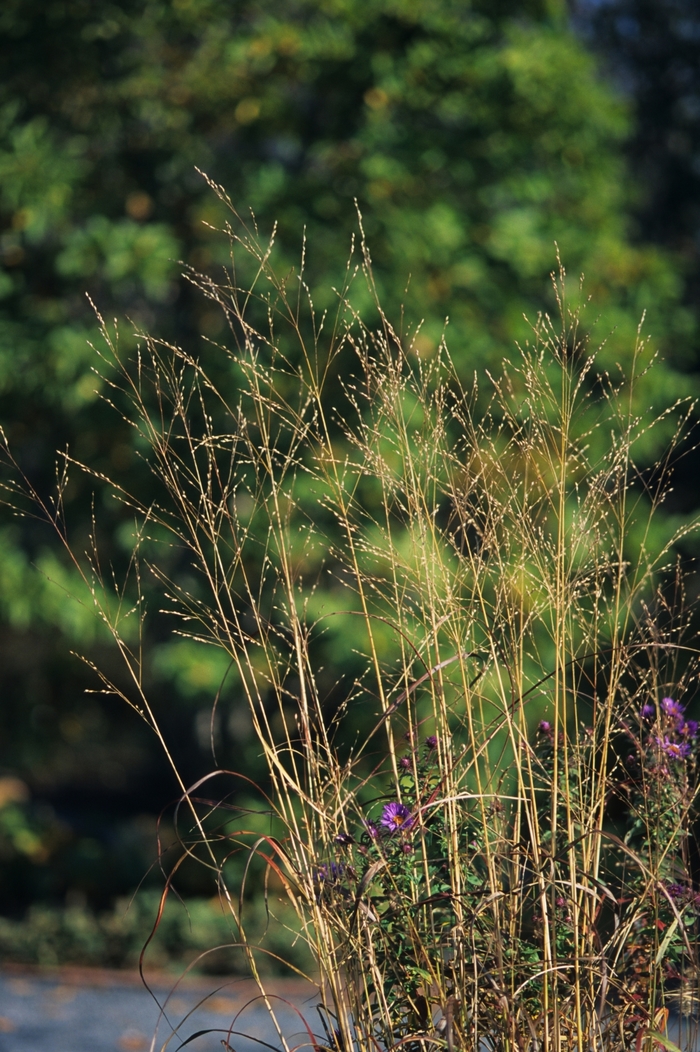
column 458, row 625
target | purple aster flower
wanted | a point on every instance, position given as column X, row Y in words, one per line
column 405, row 762
column 545, row 727
column 407, row 848
column 690, row 729
column 431, row 741
column 331, row 872
column 674, row 750
column 396, row 816
column 344, row 839
column 648, row 711
column 371, row 828
column 676, row 891
column 672, row 708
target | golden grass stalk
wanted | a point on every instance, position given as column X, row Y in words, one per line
column 485, row 843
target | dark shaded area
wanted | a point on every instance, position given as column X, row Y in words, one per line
column 651, row 48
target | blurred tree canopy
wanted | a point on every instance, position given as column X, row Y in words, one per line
column 472, row 137
column 651, row 49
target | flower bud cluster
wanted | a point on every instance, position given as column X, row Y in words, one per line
column 667, row 731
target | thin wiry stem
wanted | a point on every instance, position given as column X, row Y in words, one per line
column 499, row 554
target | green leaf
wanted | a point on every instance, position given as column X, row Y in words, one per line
column 665, row 1041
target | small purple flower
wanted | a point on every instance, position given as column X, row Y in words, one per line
column 676, row 891
column 674, row 750
column 407, row 848
column 331, row 872
column 405, row 762
column 647, row 712
column 690, row 729
column 396, row 816
column 345, row 839
column 545, row 727
column 371, row 828
column 431, row 741
column 672, row 708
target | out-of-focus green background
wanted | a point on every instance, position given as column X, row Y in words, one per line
column 473, row 135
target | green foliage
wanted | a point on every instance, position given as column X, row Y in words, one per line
column 75, row 934
column 653, row 48
column 472, row 139
column 472, row 136
column 500, row 880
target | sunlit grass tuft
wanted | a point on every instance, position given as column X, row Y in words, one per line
column 463, row 645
